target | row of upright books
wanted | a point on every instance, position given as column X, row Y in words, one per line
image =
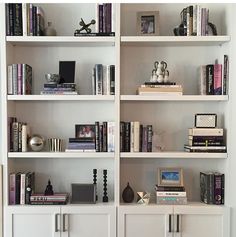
column 103, row 80
column 105, row 18
column 24, row 19
column 195, row 21
column 97, row 137
column 18, row 133
column 212, row 187
column 156, row 88
column 214, row 78
column 135, row 137
column 59, row 89
column 21, row 187
column 205, row 140
column 19, row 79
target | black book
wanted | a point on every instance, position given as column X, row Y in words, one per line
column 101, row 137
column 149, row 83
column 18, row 177
column 112, row 79
column 140, row 137
column 218, row 188
column 104, row 135
column 210, row 79
column 171, row 189
column 81, row 139
column 95, row 34
column 127, row 137
column 122, row 136
column 149, row 138
column 207, row 187
column 97, row 138
column 29, row 186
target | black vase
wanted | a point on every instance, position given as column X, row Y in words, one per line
column 128, row 194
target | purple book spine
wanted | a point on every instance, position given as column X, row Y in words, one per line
column 218, row 191
column 19, row 79
column 12, row 189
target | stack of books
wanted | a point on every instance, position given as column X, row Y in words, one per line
column 59, row 89
column 56, row 199
column 205, row 140
column 212, row 187
column 171, row 195
column 81, row 144
column 156, row 88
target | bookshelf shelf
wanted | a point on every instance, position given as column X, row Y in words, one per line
column 61, row 97
column 172, row 155
column 174, row 98
column 174, row 40
column 58, row 155
column 60, row 41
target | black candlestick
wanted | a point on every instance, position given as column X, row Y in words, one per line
column 105, row 197
column 95, row 181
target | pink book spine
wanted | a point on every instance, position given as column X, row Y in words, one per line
column 12, row 189
column 19, row 79
column 218, row 79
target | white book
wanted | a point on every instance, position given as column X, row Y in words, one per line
column 160, row 93
column 171, row 194
column 110, row 136
column 24, row 137
column 206, row 131
column 14, row 79
column 24, row 19
column 136, row 135
column 96, row 30
column 9, row 80
column 22, row 188
column 24, row 79
column 199, row 20
column 132, row 136
column 195, row 20
column 106, row 80
column 202, row 80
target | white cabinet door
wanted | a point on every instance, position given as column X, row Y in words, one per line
column 32, row 221
column 151, row 221
column 204, row 221
column 88, row 221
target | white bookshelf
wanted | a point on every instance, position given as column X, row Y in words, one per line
column 171, row 116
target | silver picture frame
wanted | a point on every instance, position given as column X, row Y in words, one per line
column 148, row 23
column 170, row 177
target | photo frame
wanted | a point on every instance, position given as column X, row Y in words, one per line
column 148, row 23
column 85, row 131
column 171, row 177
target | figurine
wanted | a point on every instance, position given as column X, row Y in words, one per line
column 85, row 26
column 49, row 189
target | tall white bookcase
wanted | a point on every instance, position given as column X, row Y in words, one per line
column 171, row 116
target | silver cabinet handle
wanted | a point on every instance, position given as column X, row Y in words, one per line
column 177, row 223
column 56, row 223
column 64, row 222
column 170, row 224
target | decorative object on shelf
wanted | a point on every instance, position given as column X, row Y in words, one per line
column 128, row 194
column 172, row 177
column 148, row 23
column 205, row 120
column 49, row 189
column 95, row 181
column 49, row 30
column 55, row 144
column 105, row 197
column 52, row 78
column 84, row 27
column 143, row 198
column 160, row 73
column 36, row 143
column 83, row 193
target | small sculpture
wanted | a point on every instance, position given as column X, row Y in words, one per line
column 49, row 189
column 143, row 198
column 85, row 26
column 160, row 73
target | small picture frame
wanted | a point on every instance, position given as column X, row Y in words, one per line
column 148, row 23
column 170, row 177
column 85, row 131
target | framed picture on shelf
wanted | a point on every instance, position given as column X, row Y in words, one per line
column 170, row 177
column 85, row 131
column 148, row 23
